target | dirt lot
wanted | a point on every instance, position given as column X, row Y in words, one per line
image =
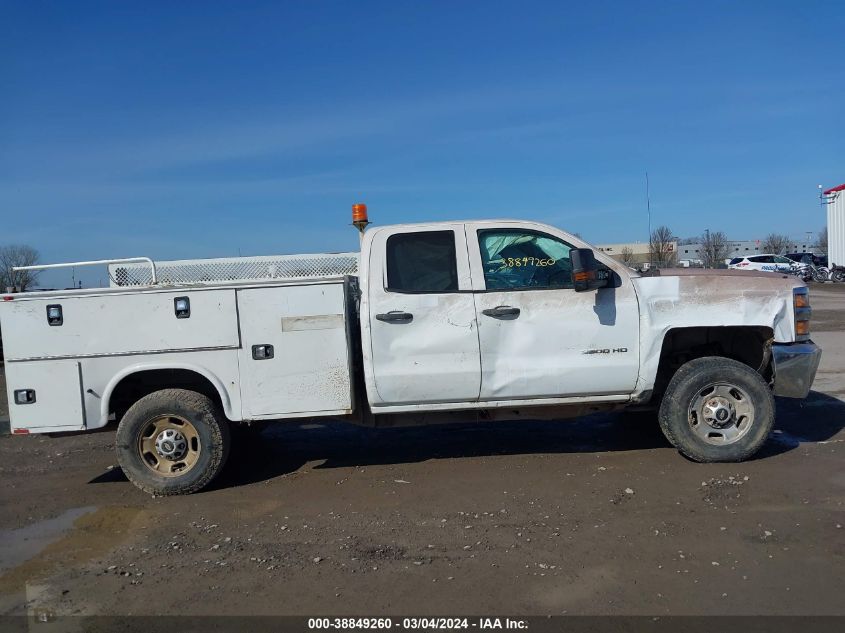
column 595, row 516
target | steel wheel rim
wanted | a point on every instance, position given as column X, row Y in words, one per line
column 169, row 445
column 720, row 413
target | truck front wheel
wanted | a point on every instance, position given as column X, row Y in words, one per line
column 717, row 410
column 172, row 442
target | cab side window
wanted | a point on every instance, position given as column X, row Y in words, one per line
column 515, row 259
column 422, row 262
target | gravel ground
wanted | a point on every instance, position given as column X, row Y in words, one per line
column 593, row 516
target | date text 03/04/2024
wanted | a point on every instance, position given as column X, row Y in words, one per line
column 411, row 623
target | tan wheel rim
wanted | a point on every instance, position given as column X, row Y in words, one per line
column 169, row 445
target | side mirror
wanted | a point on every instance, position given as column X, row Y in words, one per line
column 585, row 270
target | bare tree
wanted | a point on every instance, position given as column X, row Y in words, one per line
column 776, row 243
column 714, row 248
column 17, row 255
column 628, row 256
column 661, row 247
column 821, row 241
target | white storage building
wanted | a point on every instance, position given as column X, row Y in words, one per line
column 835, row 200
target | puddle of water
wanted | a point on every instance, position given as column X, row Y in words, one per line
column 19, row 545
column 66, row 542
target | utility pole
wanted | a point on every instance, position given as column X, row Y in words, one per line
column 648, row 209
column 707, row 245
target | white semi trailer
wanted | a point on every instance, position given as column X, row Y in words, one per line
column 430, row 323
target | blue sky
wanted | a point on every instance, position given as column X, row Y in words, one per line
column 202, row 129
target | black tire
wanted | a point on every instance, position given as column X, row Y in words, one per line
column 212, row 441
column 687, row 386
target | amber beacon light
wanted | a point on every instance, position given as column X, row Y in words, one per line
column 359, row 216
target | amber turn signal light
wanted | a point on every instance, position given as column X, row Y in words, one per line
column 802, row 300
column 802, row 328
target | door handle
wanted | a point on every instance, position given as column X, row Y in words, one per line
column 395, row 316
column 501, row 311
column 262, row 352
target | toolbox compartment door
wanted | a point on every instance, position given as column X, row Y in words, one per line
column 57, row 387
column 294, row 360
column 115, row 323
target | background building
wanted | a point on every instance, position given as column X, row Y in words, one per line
column 744, row 248
column 835, row 200
column 638, row 252
column 692, row 254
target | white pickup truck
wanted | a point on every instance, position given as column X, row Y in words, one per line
column 452, row 321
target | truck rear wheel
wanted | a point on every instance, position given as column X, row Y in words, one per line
column 172, row 442
column 717, row 410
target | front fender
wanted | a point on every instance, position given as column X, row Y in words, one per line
column 669, row 302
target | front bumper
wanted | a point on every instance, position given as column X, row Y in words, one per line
column 795, row 366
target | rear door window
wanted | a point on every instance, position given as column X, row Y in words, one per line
column 422, row 262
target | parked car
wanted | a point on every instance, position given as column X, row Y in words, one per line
column 765, row 262
column 808, row 258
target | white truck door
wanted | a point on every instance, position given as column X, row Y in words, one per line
column 539, row 338
column 422, row 333
column 294, row 357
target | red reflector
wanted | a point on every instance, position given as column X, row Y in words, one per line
column 7, row 298
column 20, row 431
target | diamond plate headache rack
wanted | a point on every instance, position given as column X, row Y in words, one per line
column 227, row 269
